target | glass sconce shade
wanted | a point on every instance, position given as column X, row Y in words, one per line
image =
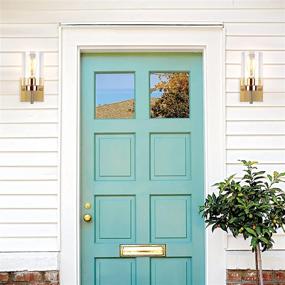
column 32, row 85
column 251, row 85
column 32, row 67
column 251, row 68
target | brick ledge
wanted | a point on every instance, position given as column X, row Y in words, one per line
column 248, row 277
column 29, row 278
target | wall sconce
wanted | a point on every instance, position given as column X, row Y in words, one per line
column 251, row 87
column 32, row 85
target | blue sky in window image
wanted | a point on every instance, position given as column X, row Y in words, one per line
column 114, row 87
column 155, row 78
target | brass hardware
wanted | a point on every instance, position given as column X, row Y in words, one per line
column 255, row 95
column 36, row 95
column 142, row 250
column 87, row 218
column 251, row 83
column 87, row 206
column 32, row 83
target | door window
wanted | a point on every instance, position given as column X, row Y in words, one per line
column 169, row 94
column 115, row 95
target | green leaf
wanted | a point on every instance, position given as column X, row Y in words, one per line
column 251, row 231
column 264, row 240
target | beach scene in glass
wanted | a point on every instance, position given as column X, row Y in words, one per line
column 115, row 95
column 169, row 95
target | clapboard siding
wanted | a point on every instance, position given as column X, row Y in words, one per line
column 15, row 59
column 255, row 114
column 269, row 57
column 260, row 29
column 28, row 158
column 12, row 102
column 28, row 216
column 28, row 144
column 255, row 43
column 28, row 201
column 269, row 100
column 11, row 72
column 28, row 230
column 28, row 173
column 269, row 71
column 263, row 156
column 35, row 43
column 255, row 132
column 275, row 85
column 11, row 87
column 28, row 187
column 255, row 142
column 28, row 116
column 245, row 128
column 29, row 138
column 29, row 130
column 28, row 31
column 28, row 243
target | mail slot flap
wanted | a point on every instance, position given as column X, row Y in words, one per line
column 142, row 250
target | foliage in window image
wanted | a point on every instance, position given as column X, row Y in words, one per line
column 115, row 94
column 169, row 93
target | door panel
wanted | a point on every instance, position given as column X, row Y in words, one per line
column 142, row 167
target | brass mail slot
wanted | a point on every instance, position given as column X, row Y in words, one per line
column 142, row 250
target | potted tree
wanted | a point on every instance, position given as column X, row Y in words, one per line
column 252, row 206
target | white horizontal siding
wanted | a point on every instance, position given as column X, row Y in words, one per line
column 28, row 216
column 251, row 142
column 269, row 99
column 28, row 144
column 12, row 102
column 29, row 130
column 28, row 243
column 20, row 261
column 25, row 201
column 11, row 72
column 269, row 71
column 255, row 132
column 245, row 128
column 28, row 230
column 15, row 58
column 14, row 187
column 29, row 133
column 263, row 156
column 12, row 87
column 28, row 173
column 269, row 57
column 270, row 85
column 28, row 158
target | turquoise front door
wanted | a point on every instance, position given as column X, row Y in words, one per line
column 142, row 168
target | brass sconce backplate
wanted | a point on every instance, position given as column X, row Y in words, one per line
column 245, row 95
column 25, row 95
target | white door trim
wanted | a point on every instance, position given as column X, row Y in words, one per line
column 74, row 40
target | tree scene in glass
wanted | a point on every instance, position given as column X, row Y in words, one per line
column 169, row 94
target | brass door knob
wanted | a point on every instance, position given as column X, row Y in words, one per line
column 87, row 218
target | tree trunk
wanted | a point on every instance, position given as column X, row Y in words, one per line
column 258, row 262
column 256, row 266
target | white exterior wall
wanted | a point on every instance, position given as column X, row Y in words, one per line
column 29, row 134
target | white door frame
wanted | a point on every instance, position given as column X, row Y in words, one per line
column 75, row 39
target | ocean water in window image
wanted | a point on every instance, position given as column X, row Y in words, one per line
column 169, row 95
column 115, row 95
